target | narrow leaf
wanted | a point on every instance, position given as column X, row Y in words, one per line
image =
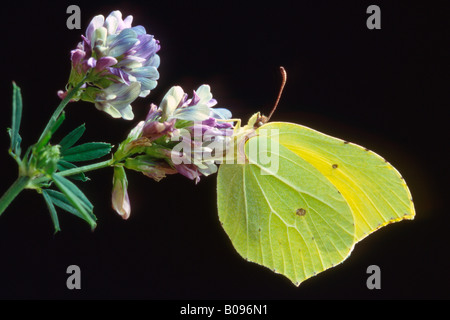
column 77, row 192
column 72, row 138
column 86, row 151
column 76, row 198
column 17, row 150
column 64, row 165
column 84, row 200
column 61, row 201
column 52, row 129
column 16, row 119
column 52, row 210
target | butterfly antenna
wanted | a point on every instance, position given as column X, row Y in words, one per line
column 283, row 83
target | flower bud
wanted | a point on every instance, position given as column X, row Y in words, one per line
column 120, row 200
column 47, row 159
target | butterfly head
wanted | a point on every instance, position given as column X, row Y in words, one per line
column 260, row 121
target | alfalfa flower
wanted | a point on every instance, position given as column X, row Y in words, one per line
column 182, row 133
column 186, row 136
column 112, row 52
column 117, row 98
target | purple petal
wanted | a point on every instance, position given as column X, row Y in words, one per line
column 152, row 113
column 211, row 103
column 91, row 62
column 61, row 94
column 223, row 125
column 120, row 73
column 76, row 56
column 155, row 129
column 189, row 171
column 195, row 99
column 147, row 46
column 105, row 62
column 209, row 122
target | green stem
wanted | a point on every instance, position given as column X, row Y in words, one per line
column 70, row 172
column 22, row 181
column 89, row 167
column 12, row 192
column 61, row 107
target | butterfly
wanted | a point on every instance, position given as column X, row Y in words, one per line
column 302, row 199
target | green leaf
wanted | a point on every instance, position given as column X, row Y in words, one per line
column 77, row 192
column 52, row 210
column 16, row 119
column 61, row 201
column 16, row 153
column 51, row 130
column 72, row 138
column 64, row 165
column 76, row 198
column 86, row 151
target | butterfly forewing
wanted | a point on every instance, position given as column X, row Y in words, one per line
column 373, row 188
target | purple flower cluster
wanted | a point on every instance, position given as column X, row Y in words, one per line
column 186, row 136
column 118, row 62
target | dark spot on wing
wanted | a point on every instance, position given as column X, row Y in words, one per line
column 300, row 212
column 346, row 142
column 334, row 166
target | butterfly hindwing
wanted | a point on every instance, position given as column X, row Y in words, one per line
column 286, row 216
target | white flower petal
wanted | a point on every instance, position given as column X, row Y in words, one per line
column 127, row 113
column 111, row 24
column 95, row 23
column 109, row 109
column 194, row 113
column 171, row 101
column 204, row 93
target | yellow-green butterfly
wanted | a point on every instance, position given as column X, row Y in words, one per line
column 306, row 213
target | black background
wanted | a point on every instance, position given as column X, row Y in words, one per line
column 383, row 89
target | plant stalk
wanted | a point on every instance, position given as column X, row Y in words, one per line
column 70, row 172
column 89, row 167
column 61, row 107
column 13, row 191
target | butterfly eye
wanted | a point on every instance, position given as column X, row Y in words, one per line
column 262, row 120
